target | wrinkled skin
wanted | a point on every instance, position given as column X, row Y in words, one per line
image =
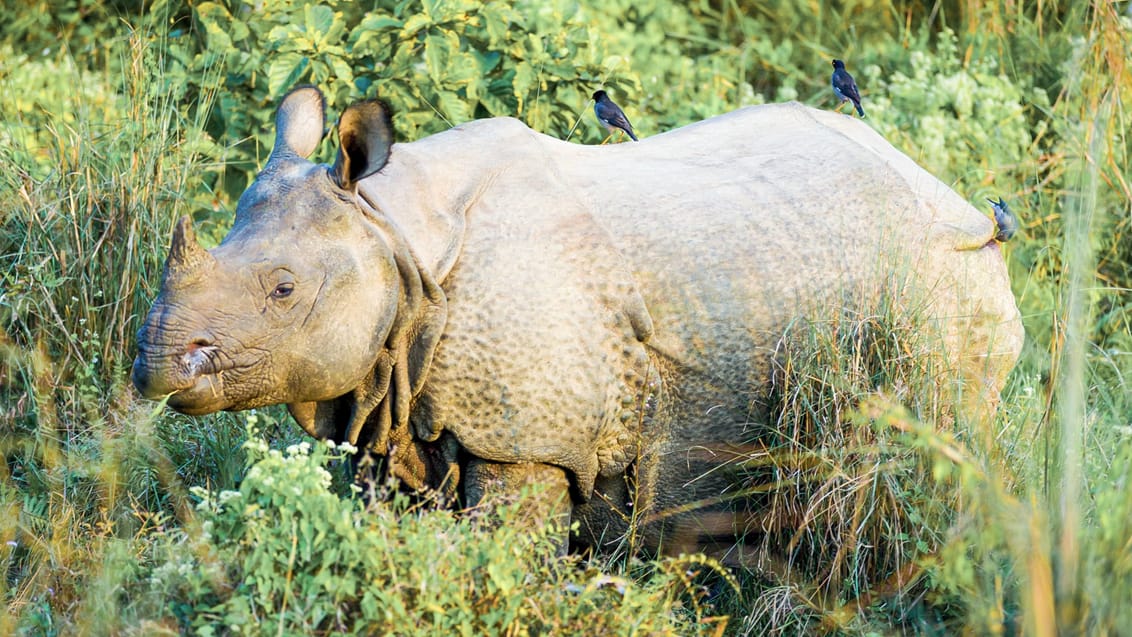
column 490, row 307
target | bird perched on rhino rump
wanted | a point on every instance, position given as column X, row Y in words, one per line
column 845, row 88
column 611, row 116
column 1004, row 220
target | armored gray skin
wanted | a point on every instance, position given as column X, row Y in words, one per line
column 488, row 306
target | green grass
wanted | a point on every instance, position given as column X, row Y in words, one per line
column 891, row 516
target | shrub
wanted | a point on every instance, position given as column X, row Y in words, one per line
column 437, row 62
column 123, row 124
column 287, row 554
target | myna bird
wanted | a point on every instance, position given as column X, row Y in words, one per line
column 611, row 116
column 845, row 88
column 1004, row 220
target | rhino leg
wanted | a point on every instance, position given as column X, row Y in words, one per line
column 548, row 503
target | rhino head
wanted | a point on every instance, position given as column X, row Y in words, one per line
column 312, row 299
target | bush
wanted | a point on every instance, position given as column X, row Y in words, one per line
column 121, row 116
column 438, row 63
column 287, row 554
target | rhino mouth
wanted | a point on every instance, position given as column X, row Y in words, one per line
column 204, row 396
column 193, row 380
column 202, row 381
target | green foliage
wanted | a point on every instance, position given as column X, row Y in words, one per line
column 966, row 122
column 286, row 554
column 43, row 26
column 438, row 63
column 49, row 97
column 121, row 116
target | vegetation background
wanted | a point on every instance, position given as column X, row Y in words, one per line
column 117, row 517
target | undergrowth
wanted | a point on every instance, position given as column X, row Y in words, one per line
column 287, row 554
column 873, row 512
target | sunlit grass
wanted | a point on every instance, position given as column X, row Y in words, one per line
column 884, row 520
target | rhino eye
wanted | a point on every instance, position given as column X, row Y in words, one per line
column 282, row 291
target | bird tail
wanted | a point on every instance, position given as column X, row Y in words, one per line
column 860, row 111
column 632, row 136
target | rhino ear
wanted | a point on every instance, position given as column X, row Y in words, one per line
column 365, row 133
column 299, row 123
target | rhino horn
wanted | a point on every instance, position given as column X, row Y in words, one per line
column 185, row 254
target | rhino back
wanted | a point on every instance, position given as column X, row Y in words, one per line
column 598, row 293
column 740, row 224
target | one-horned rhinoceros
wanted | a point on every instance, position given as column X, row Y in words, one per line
column 489, row 306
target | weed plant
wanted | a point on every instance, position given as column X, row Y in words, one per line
column 882, row 514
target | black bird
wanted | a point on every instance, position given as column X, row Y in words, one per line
column 844, row 87
column 1004, row 219
column 611, row 116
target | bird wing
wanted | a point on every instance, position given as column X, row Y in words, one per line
column 613, row 116
column 843, row 82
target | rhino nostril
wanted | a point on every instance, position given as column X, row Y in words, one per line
column 198, row 343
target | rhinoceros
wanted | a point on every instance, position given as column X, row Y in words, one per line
column 490, row 307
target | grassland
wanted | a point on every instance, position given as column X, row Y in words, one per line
column 119, row 517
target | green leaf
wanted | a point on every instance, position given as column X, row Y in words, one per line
column 487, row 60
column 320, row 71
column 342, row 69
column 454, row 107
column 286, row 37
column 216, row 21
column 283, row 71
column 377, row 22
column 463, row 69
column 498, row 19
column 433, row 8
column 319, row 20
column 239, row 31
column 494, row 104
column 523, row 83
column 415, row 23
column 437, row 49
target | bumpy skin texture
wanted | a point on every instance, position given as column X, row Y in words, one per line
column 607, row 314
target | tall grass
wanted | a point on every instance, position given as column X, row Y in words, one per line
column 882, row 521
column 88, row 198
